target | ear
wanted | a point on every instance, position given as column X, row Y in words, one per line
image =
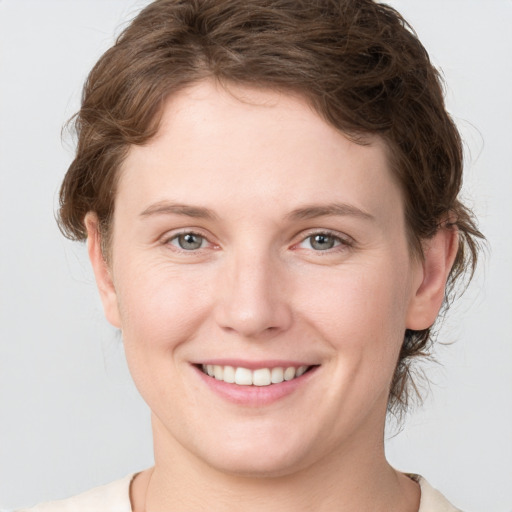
column 102, row 271
column 439, row 254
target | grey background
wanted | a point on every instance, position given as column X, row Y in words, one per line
column 70, row 417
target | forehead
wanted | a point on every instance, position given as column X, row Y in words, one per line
column 218, row 145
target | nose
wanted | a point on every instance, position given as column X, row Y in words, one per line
column 253, row 300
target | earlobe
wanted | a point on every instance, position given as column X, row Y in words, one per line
column 439, row 254
column 102, row 272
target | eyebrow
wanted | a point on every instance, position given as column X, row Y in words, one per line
column 168, row 208
column 303, row 213
column 338, row 209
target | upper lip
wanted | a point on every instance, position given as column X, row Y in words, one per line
column 255, row 365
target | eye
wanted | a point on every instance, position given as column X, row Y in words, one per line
column 188, row 241
column 322, row 242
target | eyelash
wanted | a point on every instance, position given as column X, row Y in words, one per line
column 341, row 243
column 176, row 237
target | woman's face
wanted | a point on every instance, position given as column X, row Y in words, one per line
column 254, row 241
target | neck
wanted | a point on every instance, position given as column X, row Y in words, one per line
column 352, row 478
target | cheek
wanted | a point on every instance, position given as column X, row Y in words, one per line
column 160, row 311
column 364, row 307
column 159, row 306
column 361, row 314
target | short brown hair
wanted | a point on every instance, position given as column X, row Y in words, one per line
column 357, row 62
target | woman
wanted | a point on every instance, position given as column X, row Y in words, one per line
column 269, row 192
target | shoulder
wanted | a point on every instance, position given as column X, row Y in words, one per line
column 114, row 497
column 431, row 499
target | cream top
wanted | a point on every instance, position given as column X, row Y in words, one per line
column 115, row 497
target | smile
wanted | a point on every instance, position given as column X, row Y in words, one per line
column 259, row 377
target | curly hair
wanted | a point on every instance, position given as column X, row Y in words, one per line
column 357, row 62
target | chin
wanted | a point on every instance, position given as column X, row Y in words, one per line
column 264, row 456
column 249, row 465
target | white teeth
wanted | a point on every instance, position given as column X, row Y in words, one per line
column 260, row 377
column 229, row 374
column 300, row 371
column 243, row 377
column 289, row 373
column 277, row 375
column 218, row 372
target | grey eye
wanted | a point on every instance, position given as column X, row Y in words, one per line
column 188, row 241
column 322, row 242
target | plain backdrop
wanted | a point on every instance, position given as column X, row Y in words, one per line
column 70, row 417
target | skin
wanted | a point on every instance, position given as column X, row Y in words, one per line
column 258, row 290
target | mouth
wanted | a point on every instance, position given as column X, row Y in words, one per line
column 257, row 377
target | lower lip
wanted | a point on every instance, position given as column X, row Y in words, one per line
column 254, row 396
